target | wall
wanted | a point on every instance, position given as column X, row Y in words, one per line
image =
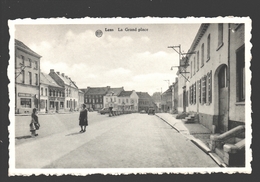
column 218, row 57
column 236, row 107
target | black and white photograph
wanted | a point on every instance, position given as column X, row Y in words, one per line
column 125, row 96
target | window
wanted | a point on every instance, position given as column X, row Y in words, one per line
column 209, row 87
column 203, row 89
column 67, row 104
column 199, row 88
column 23, row 77
column 222, row 77
column 194, row 90
column 118, row 100
column 194, row 71
column 240, row 56
column 46, row 91
column 41, row 91
column 36, row 79
column 30, row 77
column 25, row 102
column 22, row 57
column 126, row 100
column 220, row 35
column 191, row 69
column 30, row 62
column 36, row 65
column 202, row 55
column 106, row 99
column 198, row 60
column 115, row 99
column 208, row 48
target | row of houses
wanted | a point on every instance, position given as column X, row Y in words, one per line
column 56, row 92
column 210, row 81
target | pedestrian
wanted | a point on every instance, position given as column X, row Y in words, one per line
column 34, row 125
column 83, row 118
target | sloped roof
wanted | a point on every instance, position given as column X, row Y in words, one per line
column 47, row 79
column 97, row 90
column 143, row 95
column 26, row 48
column 116, row 91
column 125, row 93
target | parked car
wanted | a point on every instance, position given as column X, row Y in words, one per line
column 151, row 111
column 142, row 112
column 104, row 111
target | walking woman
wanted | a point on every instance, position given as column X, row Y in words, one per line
column 34, row 125
column 83, row 118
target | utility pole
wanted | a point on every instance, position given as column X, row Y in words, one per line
column 183, row 64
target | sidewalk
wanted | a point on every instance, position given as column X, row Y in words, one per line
column 195, row 132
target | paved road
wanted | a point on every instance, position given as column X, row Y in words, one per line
column 126, row 141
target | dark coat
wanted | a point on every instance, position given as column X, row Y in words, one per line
column 83, row 118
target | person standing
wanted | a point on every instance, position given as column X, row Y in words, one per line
column 83, row 118
column 34, row 125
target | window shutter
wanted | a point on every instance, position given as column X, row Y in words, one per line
column 210, row 87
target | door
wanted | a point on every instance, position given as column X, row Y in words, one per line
column 184, row 100
column 223, row 100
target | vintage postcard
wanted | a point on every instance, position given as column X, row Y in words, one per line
column 130, row 96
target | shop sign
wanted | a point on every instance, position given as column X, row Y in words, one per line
column 25, row 95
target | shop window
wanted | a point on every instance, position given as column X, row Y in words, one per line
column 240, row 57
column 61, row 105
column 25, row 102
column 51, row 104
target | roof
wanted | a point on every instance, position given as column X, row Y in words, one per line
column 199, row 35
column 143, row 95
column 116, row 91
column 125, row 93
column 26, row 48
column 97, row 90
column 47, row 79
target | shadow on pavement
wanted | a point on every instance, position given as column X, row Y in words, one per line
column 23, row 137
column 76, row 133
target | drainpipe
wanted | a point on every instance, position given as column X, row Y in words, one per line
column 228, row 73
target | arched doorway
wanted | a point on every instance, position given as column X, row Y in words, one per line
column 223, row 99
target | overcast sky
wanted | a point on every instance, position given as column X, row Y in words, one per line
column 139, row 61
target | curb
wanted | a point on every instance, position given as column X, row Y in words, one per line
column 169, row 124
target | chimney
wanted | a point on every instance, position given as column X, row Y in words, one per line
column 58, row 73
column 51, row 70
column 62, row 74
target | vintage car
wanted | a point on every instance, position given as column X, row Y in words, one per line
column 104, row 111
column 151, row 111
